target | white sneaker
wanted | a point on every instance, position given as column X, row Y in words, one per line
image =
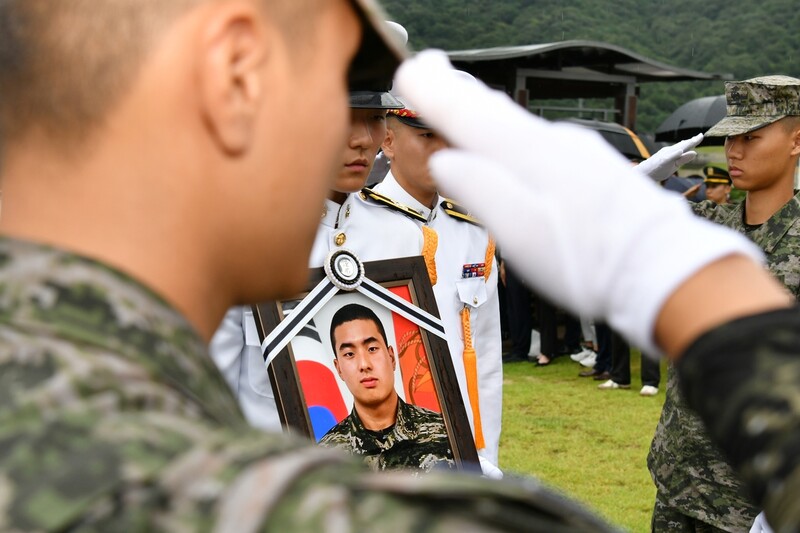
column 608, row 385
column 648, row 390
column 580, row 356
column 589, row 360
column 612, row 385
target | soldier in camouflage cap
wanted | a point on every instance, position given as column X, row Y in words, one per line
column 386, row 431
column 757, row 102
column 695, row 484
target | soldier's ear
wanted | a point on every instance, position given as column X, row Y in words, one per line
column 388, row 143
column 231, row 51
column 391, row 355
column 336, row 365
column 796, row 139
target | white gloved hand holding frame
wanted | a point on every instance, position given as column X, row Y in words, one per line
column 569, row 212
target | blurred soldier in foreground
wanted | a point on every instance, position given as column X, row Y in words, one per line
column 123, row 247
column 150, row 179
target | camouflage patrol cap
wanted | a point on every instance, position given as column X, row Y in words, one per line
column 756, row 103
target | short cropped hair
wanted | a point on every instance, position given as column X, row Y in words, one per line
column 351, row 312
column 65, row 63
column 790, row 123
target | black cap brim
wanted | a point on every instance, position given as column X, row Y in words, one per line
column 379, row 55
column 413, row 122
column 374, row 100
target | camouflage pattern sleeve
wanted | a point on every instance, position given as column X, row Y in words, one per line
column 114, row 418
column 92, row 467
column 743, row 378
column 705, row 209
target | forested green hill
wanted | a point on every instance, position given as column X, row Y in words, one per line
column 744, row 37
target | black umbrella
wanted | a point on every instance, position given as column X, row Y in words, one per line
column 624, row 140
column 693, row 117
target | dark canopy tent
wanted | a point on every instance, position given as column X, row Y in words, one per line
column 573, row 69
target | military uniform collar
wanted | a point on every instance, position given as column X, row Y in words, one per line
column 769, row 235
column 389, row 187
column 330, row 213
column 402, row 430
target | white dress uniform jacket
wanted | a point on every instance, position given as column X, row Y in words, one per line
column 463, row 243
column 375, row 231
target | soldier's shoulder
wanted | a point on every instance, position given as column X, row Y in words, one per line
column 713, row 211
column 790, row 213
column 338, row 434
column 423, row 413
column 458, row 212
column 370, row 196
column 425, row 423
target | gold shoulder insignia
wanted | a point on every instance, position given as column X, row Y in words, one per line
column 458, row 212
column 367, row 193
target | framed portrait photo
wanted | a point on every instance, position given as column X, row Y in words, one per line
column 363, row 334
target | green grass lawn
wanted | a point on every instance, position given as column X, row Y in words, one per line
column 588, row 443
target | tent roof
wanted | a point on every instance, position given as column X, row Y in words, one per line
column 584, row 56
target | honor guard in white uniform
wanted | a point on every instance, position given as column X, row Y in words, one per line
column 466, row 292
column 404, row 215
column 235, row 347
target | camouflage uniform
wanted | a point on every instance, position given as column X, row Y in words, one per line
column 778, row 237
column 691, row 475
column 743, row 378
column 114, row 418
column 418, row 439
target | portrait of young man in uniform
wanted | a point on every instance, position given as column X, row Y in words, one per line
column 388, row 432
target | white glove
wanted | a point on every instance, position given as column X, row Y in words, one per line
column 568, row 211
column 489, row 469
column 760, row 525
column 669, row 159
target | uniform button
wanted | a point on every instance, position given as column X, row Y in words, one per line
column 475, row 300
column 340, row 239
column 347, row 212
